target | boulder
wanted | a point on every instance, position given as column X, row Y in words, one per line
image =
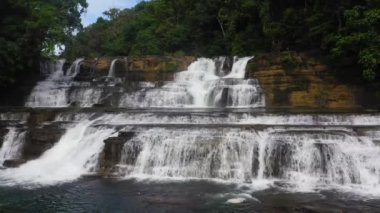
column 112, row 153
column 3, row 132
column 41, row 139
column 14, row 163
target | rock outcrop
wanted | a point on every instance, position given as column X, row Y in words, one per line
column 3, row 132
column 298, row 81
column 144, row 68
column 112, row 152
column 41, row 139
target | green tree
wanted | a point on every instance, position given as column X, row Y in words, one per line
column 30, row 30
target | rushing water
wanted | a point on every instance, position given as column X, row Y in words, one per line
column 12, row 144
column 200, row 86
column 199, row 143
column 195, row 196
column 111, row 71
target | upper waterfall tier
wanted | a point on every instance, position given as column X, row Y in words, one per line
column 206, row 83
column 53, row 91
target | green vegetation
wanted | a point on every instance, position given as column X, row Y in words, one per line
column 288, row 61
column 30, row 30
column 346, row 31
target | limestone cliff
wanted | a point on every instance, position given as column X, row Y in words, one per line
column 144, row 68
column 296, row 81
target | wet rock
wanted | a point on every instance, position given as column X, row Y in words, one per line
column 14, row 163
column 39, row 140
column 3, row 132
column 144, row 68
column 38, row 117
column 112, row 152
column 305, row 210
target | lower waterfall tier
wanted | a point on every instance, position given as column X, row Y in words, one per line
column 300, row 152
column 303, row 158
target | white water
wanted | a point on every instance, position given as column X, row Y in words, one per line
column 53, row 91
column 206, row 83
column 12, row 145
column 306, row 159
column 301, row 158
column 200, row 86
column 238, row 119
column 85, row 96
column 14, row 116
column 57, row 90
column 306, row 153
column 238, row 69
column 74, row 155
column 111, row 71
column 74, row 68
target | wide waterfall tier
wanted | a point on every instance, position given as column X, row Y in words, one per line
column 301, row 152
column 308, row 158
column 207, row 83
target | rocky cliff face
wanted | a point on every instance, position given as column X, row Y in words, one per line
column 296, row 81
column 289, row 80
column 144, row 68
column 292, row 80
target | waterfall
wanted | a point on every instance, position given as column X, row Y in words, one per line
column 111, row 71
column 238, row 69
column 85, row 95
column 305, row 159
column 201, row 86
column 206, row 83
column 51, row 92
column 74, row 68
column 297, row 152
column 12, row 144
column 194, row 137
column 54, row 91
column 75, row 154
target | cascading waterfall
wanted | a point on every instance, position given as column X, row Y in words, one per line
column 12, row 145
column 53, row 91
column 206, row 83
column 301, row 152
column 238, row 69
column 305, row 158
column 74, row 68
column 75, row 154
column 201, row 86
column 85, row 95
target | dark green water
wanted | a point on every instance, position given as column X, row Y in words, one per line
column 95, row 195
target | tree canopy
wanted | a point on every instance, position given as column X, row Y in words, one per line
column 30, row 30
column 347, row 31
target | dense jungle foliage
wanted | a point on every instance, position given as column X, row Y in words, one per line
column 30, row 30
column 347, row 31
column 344, row 31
